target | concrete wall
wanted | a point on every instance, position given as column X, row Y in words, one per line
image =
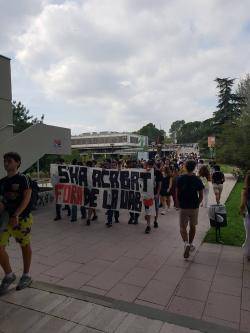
column 6, row 118
column 35, row 142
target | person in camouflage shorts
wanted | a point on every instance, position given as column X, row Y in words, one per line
column 15, row 193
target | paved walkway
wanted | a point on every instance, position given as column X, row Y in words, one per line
column 124, row 263
column 37, row 311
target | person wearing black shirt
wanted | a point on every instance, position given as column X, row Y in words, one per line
column 15, row 191
column 218, row 179
column 157, row 190
column 189, row 197
column 166, row 186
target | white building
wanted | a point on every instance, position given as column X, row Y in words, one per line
column 111, row 143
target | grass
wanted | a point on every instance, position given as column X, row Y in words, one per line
column 226, row 168
column 234, row 233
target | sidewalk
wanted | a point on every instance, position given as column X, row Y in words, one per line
column 35, row 310
column 125, row 264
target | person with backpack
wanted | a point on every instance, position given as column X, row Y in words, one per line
column 218, row 179
column 245, row 212
column 15, row 190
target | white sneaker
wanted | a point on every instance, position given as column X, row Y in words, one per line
column 163, row 212
column 186, row 251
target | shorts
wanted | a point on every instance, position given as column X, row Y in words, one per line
column 21, row 232
column 149, row 210
column 218, row 188
column 189, row 215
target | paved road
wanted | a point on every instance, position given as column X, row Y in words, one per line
column 124, row 263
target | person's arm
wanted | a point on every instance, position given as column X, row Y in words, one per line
column 177, row 192
column 212, row 178
column 223, row 178
column 2, row 208
column 243, row 203
column 158, row 189
column 200, row 195
column 200, row 191
column 27, row 191
column 170, row 184
column 177, row 197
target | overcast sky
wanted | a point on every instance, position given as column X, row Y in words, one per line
column 95, row 65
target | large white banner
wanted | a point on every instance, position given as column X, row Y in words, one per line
column 129, row 189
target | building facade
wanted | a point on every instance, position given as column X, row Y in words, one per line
column 109, row 143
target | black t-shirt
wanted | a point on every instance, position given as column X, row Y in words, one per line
column 165, row 182
column 12, row 193
column 218, row 177
column 158, row 179
column 188, row 187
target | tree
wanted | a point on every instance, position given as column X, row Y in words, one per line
column 233, row 144
column 229, row 105
column 75, row 154
column 190, row 132
column 154, row 134
column 175, row 130
column 22, row 118
column 243, row 90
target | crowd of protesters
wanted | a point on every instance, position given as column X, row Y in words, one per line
column 181, row 179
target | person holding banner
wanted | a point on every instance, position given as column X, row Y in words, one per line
column 59, row 208
column 110, row 212
column 91, row 214
column 153, row 202
column 133, row 216
column 15, row 190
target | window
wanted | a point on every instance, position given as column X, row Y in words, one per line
column 134, row 139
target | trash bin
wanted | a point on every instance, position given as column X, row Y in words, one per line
column 218, row 218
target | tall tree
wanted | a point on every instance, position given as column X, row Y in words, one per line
column 175, row 130
column 154, row 134
column 233, row 143
column 190, row 132
column 22, row 118
column 230, row 105
column 243, row 90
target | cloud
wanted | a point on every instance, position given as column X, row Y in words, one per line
column 119, row 64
